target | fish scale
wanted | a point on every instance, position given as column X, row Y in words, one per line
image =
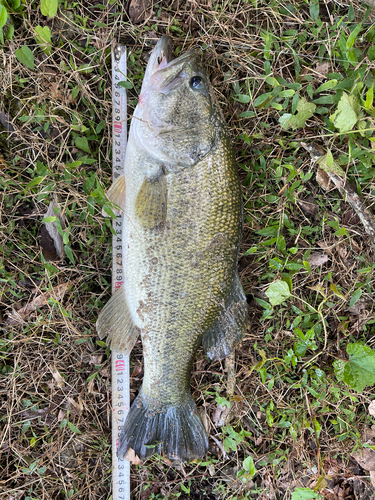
column 182, row 230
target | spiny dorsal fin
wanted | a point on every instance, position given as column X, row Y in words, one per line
column 115, row 323
column 151, row 203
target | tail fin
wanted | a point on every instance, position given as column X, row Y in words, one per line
column 176, row 431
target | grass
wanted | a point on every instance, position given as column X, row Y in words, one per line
column 290, row 421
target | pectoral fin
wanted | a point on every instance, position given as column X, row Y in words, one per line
column 151, row 203
column 116, row 193
column 115, row 323
column 220, row 339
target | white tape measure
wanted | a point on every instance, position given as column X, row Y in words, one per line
column 120, row 362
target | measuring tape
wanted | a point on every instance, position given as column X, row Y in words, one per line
column 120, row 362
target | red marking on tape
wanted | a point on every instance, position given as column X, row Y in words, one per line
column 120, row 365
column 118, row 127
column 117, row 443
column 118, row 284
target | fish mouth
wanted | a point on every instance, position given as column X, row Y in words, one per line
column 162, row 71
column 161, row 55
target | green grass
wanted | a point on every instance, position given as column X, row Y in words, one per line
column 282, row 72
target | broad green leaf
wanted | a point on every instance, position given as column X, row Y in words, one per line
column 82, row 143
column 314, row 9
column 346, row 115
column 248, row 465
column 277, row 292
column 305, row 110
column 355, row 297
column 331, row 84
column 3, row 15
column 43, row 39
column 305, row 494
column 25, row 56
column 49, row 7
column 245, row 99
column 359, row 371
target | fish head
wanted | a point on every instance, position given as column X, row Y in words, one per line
column 178, row 116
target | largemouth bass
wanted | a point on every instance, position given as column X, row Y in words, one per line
column 182, row 228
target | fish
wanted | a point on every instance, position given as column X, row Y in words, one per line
column 182, row 226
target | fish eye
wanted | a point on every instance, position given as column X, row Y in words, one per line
column 196, row 82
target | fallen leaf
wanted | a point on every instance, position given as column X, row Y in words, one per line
column 309, row 207
column 347, row 113
column 372, row 477
column 371, row 408
column 358, row 307
column 317, row 259
column 138, row 10
column 366, row 458
column 323, row 179
column 132, row 457
column 18, row 317
column 322, row 69
column 59, row 379
column 305, row 110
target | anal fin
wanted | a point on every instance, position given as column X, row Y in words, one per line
column 115, row 323
column 230, row 326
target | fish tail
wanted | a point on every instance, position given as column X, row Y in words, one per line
column 175, row 431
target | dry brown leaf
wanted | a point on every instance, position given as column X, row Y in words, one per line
column 317, row 259
column 372, row 477
column 132, row 457
column 78, row 406
column 59, row 379
column 323, row 179
column 139, row 10
column 358, row 307
column 366, row 458
column 17, row 317
column 308, row 207
column 322, row 68
column 371, row 408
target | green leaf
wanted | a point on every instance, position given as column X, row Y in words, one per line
column 305, row 494
column 248, row 465
column 73, row 428
column 355, row 297
column 246, row 114
column 353, row 36
column 314, row 9
column 43, row 39
column 82, row 143
column 25, row 56
column 331, row 84
column 359, row 371
column 277, row 292
column 346, row 115
column 49, row 7
column 125, row 84
column 3, row 15
column 305, row 110
column 245, row 99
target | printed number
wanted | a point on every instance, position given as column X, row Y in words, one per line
column 120, row 356
column 120, row 380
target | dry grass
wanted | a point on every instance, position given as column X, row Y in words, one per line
column 55, row 376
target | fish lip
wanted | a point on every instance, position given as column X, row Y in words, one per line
column 161, row 60
column 162, row 54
